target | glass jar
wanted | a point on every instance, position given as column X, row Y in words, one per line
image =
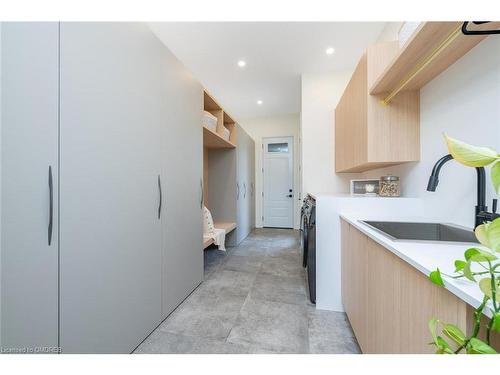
column 389, row 186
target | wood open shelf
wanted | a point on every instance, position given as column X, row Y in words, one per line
column 419, row 47
column 214, row 140
column 228, row 227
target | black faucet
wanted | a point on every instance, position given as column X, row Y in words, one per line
column 481, row 214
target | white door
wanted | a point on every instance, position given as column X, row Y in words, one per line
column 278, row 182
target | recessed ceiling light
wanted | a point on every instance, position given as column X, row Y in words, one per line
column 259, row 102
column 241, row 63
column 330, row 50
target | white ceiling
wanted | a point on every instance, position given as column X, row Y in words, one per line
column 276, row 54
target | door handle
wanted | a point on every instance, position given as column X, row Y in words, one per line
column 251, row 189
column 161, row 198
column 51, row 206
column 289, row 195
column 237, row 191
column 244, row 190
column 202, row 195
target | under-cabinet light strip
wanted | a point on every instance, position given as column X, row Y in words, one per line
column 445, row 43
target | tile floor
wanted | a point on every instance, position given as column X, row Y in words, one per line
column 253, row 300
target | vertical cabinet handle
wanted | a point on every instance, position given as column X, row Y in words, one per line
column 237, row 191
column 159, row 190
column 244, row 190
column 251, row 188
column 202, row 198
column 51, row 206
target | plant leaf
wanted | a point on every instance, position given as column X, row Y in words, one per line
column 471, row 156
column 459, row 265
column 495, row 176
column 496, row 322
column 483, row 256
column 454, row 333
column 471, row 252
column 481, row 234
column 435, row 277
column 477, row 346
column 432, row 328
column 493, row 233
column 485, row 286
column 468, row 272
column 443, row 345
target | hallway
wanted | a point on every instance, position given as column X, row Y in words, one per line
column 253, row 300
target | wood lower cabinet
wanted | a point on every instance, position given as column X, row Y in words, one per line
column 371, row 135
column 389, row 302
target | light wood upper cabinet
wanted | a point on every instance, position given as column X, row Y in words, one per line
column 371, row 135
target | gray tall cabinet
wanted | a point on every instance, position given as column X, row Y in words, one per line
column 246, row 184
column 231, row 186
column 102, row 152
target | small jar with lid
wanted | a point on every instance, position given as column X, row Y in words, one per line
column 389, row 186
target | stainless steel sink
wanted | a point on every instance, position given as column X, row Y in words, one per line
column 439, row 232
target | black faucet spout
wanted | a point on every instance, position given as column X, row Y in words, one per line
column 434, row 178
column 481, row 186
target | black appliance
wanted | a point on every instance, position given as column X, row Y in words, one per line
column 308, row 226
column 305, row 213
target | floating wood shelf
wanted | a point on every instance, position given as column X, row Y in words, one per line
column 432, row 48
column 207, row 242
column 214, row 140
column 228, row 227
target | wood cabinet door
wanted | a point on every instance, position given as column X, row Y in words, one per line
column 111, row 116
column 29, row 147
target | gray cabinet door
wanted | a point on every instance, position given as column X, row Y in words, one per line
column 112, row 113
column 182, row 170
column 29, row 146
column 251, row 178
column 241, row 182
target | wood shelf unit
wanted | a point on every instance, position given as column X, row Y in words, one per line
column 215, row 139
column 417, row 50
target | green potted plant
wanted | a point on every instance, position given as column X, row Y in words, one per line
column 479, row 265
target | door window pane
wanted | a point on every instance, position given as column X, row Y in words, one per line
column 277, row 147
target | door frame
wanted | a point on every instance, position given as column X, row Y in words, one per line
column 292, row 167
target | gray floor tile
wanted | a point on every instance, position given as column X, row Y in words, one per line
column 271, row 325
column 250, row 249
column 169, row 343
column 279, row 289
column 283, row 266
column 240, row 263
column 331, row 333
column 228, row 282
column 204, row 315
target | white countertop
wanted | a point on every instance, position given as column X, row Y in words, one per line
column 426, row 256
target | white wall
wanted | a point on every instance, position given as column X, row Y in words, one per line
column 320, row 95
column 464, row 102
column 275, row 126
